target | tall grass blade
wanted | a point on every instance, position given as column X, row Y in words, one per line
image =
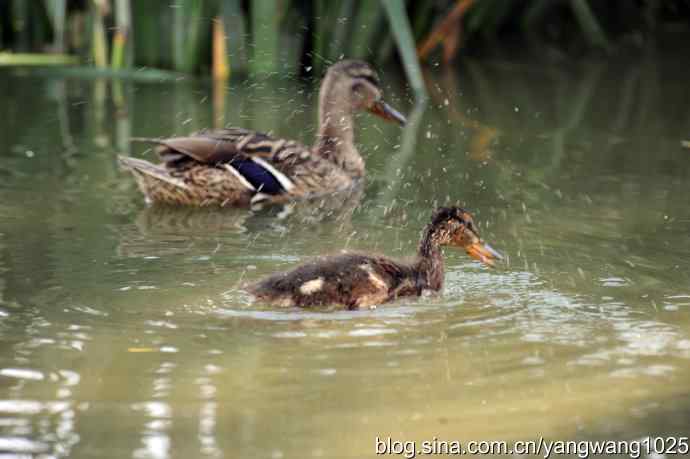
column 264, row 36
column 589, row 24
column 476, row 15
column 146, row 20
column 367, row 16
column 400, row 26
column 422, row 18
column 122, row 40
column 57, row 14
column 20, row 25
column 438, row 33
column 235, row 26
column 533, row 13
column 219, row 64
column 496, row 16
column 340, row 26
column 324, row 17
column 293, row 36
column 187, row 24
column 198, row 22
column 179, row 34
column 98, row 39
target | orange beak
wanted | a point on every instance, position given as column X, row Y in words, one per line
column 388, row 113
column 483, row 252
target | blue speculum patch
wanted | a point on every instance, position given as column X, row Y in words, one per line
column 260, row 178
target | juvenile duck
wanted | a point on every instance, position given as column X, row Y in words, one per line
column 239, row 167
column 358, row 281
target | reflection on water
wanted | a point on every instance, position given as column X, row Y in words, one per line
column 125, row 332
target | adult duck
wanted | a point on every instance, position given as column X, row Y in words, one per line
column 240, row 167
column 358, row 281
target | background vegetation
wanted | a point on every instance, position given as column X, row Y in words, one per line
column 301, row 36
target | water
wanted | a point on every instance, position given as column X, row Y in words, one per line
column 124, row 333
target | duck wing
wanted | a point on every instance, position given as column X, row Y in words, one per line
column 262, row 162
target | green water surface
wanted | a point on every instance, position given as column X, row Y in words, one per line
column 124, row 331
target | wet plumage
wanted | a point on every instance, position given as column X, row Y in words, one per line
column 240, row 167
column 356, row 280
column 234, row 166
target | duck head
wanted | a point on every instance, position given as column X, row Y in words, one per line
column 454, row 226
column 351, row 86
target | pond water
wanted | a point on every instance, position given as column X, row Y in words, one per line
column 124, row 331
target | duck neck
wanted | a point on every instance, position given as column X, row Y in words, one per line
column 335, row 139
column 429, row 264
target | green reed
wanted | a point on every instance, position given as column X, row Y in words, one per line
column 264, row 36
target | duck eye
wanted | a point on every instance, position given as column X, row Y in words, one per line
column 359, row 91
column 371, row 79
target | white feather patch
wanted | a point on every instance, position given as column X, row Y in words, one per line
column 311, row 286
column 373, row 277
column 282, row 178
column 239, row 177
column 258, row 198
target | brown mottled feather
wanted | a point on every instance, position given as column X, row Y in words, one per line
column 359, row 280
column 198, row 169
column 212, row 147
column 195, row 168
column 350, row 279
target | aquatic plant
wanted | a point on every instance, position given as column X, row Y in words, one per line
column 298, row 36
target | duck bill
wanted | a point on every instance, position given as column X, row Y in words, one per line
column 484, row 253
column 388, row 113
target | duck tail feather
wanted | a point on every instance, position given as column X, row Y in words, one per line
column 142, row 168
